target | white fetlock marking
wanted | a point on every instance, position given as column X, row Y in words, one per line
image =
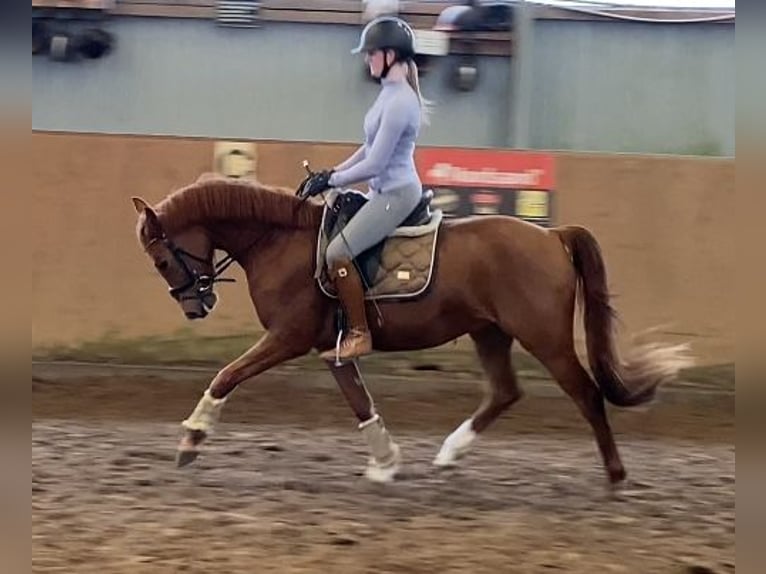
column 456, row 444
column 205, row 414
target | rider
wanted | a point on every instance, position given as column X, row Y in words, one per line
column 385, row 161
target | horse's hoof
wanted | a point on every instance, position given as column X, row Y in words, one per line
column 617, row 476
column 444, row 460
column 449, row 457
column 186, row 457
column 192, row 439
column 383, row 474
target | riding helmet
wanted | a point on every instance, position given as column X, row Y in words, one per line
column 387, row 33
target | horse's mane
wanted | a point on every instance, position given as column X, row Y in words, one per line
column 218, row 198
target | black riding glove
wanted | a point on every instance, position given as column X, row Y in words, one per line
column 317, row 183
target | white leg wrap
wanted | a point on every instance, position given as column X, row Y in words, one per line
column 205, row 414
column 385, row 460
column 456, row 444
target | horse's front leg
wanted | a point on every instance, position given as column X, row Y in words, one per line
column 268, row 352
column 385, row 457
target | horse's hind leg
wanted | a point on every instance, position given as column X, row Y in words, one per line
column 574, row 379
column 493, row 347
column 385, row 458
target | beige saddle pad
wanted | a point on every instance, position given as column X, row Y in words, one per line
column 404, row 267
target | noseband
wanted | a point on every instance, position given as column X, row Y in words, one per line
column 201, row 285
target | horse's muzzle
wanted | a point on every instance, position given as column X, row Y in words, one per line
column 199, row 306
column 191, row 315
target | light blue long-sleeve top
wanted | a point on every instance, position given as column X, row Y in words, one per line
column 386, row 160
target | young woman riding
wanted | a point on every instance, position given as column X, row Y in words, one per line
column 385, row 161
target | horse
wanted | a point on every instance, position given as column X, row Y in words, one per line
column 498, row 280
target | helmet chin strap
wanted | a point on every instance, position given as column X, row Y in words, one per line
column 386, row 66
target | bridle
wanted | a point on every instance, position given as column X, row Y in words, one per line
column 199, row 286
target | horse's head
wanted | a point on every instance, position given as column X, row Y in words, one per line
column 185, row 261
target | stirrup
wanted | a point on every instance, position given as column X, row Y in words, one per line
column 338, row 341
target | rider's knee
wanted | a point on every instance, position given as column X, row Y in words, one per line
column 337, row 251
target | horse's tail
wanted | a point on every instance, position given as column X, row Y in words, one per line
column 624, row 383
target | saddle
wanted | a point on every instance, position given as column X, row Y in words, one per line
column 400, row 266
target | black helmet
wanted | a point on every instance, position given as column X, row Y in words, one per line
column 387, row 33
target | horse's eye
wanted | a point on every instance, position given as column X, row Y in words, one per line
column 161, row 265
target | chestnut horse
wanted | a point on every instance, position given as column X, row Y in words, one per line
column 496, row 279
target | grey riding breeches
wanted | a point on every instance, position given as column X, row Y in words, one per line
column 376, row 220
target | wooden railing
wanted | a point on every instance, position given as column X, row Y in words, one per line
column 75, row 4
column 419, row 14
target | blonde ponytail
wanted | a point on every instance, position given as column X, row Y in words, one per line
column 414, row 81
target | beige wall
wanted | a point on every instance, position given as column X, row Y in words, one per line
column 665, row 225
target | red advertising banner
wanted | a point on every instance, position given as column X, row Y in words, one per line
column 486, row 168
column 489, row 182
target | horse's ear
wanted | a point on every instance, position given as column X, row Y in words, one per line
column 140, row 205
column 153, row 227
